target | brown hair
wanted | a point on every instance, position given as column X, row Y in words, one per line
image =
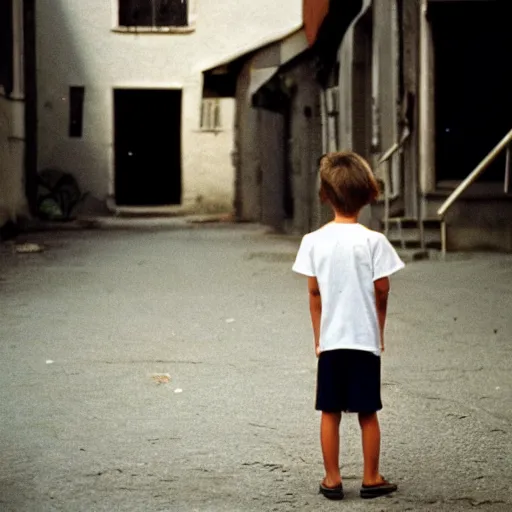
column 347, row 182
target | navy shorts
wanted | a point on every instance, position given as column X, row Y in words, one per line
column 348, row 381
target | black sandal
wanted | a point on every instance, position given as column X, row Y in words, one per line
column 332, row 493
column 375, row 491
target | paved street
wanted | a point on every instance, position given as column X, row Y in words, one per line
column 90, row 421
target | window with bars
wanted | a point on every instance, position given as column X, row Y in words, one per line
column 211, row 115
column 153, row 13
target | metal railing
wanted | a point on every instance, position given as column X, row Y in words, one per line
column 385, row 158
column 482, row 166
column 505, row 143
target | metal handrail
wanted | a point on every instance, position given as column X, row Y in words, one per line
column 394, row 148
column 482, row 166
column 397, row 146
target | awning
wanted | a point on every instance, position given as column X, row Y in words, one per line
column 272, row 58
column 220, row 80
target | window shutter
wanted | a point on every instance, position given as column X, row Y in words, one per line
column 76, row 111
column 216, row 115
column 211, row 120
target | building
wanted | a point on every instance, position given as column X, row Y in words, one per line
column 287, row 117
column 421, row 88
column 17, row 110
column 464, row 110
column 277, row 130
column 119, row 96
column 438, row 77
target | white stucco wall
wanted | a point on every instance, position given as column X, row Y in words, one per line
column 77, row 46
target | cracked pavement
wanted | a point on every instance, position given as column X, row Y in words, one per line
column 87, row 324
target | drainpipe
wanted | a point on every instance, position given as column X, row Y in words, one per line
column 324, row 120
column 423, row 112
column 30, row 87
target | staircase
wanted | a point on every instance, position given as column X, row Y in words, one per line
column 405, row 235
column 418, row 239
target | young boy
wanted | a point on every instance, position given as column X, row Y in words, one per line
column 348, row 268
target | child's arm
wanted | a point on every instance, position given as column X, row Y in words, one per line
column 315, row 308
column 381, row 300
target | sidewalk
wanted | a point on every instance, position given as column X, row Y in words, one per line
column 125, row 222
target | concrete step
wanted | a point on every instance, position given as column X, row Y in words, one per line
column 404, row 232
column 416, row 244
column 410, row 222
column 411, row 238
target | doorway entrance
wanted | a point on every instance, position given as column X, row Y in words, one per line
column 473, row 84
column 147, row 147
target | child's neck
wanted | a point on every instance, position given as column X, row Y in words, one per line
column 344, row 219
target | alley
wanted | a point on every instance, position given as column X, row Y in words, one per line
column 173, row 370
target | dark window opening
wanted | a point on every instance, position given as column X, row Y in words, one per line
column 153, row 13
column 76, row 111
column 6, row 47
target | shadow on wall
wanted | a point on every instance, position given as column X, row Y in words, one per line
column 66, row 142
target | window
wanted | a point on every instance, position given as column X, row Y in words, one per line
column 153, row 13
column 76, row 111
column 210, row 115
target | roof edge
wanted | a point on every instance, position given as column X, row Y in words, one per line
column 253, row 48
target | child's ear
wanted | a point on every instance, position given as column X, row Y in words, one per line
column 322, row 195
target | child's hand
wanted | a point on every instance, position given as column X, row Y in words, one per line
column 382, row 344
column 317, row 350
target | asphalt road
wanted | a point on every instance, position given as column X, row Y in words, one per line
column 172, row 369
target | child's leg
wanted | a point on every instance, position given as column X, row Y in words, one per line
column 330, row 439
column 370, row 432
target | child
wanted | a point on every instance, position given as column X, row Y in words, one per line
column 348, row 268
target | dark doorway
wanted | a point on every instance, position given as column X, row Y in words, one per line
column 473, row 104
column 147, row 144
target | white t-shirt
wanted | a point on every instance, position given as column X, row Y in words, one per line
column 346, row 259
